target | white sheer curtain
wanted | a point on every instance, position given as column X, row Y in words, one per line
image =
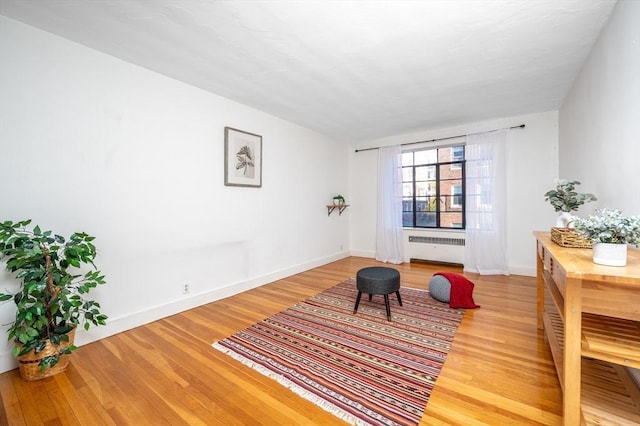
column 389, row 225
column 486, row 208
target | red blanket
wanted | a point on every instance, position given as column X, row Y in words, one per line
column 461, row 291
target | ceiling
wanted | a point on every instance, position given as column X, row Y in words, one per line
column 352, row 70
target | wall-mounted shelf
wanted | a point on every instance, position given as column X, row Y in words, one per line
column 332, row 207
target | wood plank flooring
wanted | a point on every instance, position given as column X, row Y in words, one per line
column 499, row 370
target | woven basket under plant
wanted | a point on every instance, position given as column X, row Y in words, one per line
column 568, row 237
column 29, row 363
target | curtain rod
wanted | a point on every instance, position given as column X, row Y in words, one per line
column 442, row 139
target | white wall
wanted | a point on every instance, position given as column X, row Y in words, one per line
column 600, row 117
column 91, row 143
column 532, row 157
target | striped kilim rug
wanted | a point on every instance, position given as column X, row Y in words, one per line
column 362, row 368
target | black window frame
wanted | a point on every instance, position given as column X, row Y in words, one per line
column 439, row 197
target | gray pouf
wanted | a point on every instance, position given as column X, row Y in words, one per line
column 440, row 288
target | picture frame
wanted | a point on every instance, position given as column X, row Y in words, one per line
column 242, row 158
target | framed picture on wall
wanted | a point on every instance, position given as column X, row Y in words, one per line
column 242, row 158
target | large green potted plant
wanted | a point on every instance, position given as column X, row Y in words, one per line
column 51, row 300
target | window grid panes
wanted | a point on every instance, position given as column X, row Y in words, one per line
column 433, row 188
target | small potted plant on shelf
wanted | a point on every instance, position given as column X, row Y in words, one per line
column 610, row 232
column 338, row 200
column 51, row 299
column 565, row 199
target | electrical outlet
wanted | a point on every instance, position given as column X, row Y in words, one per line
column 185, row 289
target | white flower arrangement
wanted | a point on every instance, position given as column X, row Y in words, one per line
column 609, row 226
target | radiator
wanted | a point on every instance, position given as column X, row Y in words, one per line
column 434, row 249
column 437, row 240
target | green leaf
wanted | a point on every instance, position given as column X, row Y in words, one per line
column 48, row 361
column 28, row 347
column 37, row 231
column 4, row 297
column 40, row 347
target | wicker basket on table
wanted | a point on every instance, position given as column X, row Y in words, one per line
column 568, row 237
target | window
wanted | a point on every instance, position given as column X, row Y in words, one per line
column 457, row 154
column 456, row 193
column 433, row 188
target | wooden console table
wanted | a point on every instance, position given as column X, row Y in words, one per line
column 591, row 317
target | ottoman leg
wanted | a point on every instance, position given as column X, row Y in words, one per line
column 386, row 305
column 398, row 296
column 370, row 296
column 355, row 308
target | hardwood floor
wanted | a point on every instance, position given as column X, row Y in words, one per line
column 499, row 370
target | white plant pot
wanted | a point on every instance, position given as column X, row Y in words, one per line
column 610, row 254
column 564, row 220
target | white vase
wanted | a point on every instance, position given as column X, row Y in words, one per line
column 564, row 220
column 610, row 254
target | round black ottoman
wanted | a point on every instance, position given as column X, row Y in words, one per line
column 378, row 280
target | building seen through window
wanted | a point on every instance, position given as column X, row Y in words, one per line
column 433, row 188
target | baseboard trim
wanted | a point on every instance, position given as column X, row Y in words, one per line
column 124, row 323
column 363, row 253
column 145, row 316
column 522, row 270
